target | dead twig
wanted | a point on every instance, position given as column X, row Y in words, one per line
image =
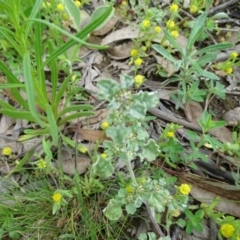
column 222, row 6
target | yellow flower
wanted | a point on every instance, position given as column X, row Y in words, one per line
column 104, row 125
column 227, row 230
column 104, row 155
column 139, row 79
column 174, row 33
column 41, row 164
column 228, row 70
column 78, row 3
column 6, row 151
column 142, row 180
column 170, row 24
column 146, row 23
column 157, row 29
column 174, row 7
column 185, row 189
column 57, row 197
column 66, row 17
column 129, row 189
column 193, row 9
column 124, row 3
column 138, row 62
column 237, row 237
column 60, row 7
column 234, row 55
column 170, row 134
column 134, row 52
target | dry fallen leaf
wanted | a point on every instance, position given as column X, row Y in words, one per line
column 69, row 163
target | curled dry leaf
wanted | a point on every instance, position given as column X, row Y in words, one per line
column 205, row 190
column 107, row 27
column 120, row 51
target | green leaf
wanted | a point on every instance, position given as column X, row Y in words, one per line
column 12, row 79
column 73, row 12
column 163, row 52
column 20, row 165
column 173, row 42
column 118, row 134
column 196, row 30
column 103, row 168
column 150, row 150
column 205, row 59
column 81, row 35
column 99, row 12
column 213, row 48
column 108, row 89
column 11, row 85
column 52, row 125
column 131, row 208
column 30, row 89
column 75, row 116
column 113, row 211
column 18, row 114
column 126, row 81
column 83, row 107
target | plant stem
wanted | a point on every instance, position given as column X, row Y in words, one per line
column 132, row 175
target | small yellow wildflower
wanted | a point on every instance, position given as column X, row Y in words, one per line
column 138, row 79
column 193, row 9
column 170, row 24
column 104, row 125
column 134, row 52
column 185, row 189
column 228, row 70
column 157, row 29
column 237, row 237
column 6, row 151
column 174, row 33
column 124, row 3
column 234, row 55
column 60, row 7
column 66, row 17
column 142, row 180
column 41, row 164
column 170, row 134
column 174, row 7
column 227, row 230
column 57, row 197
column 78, row 3
column 138, row 62
column 104, row 155
column 145, row 23
column 129, row 189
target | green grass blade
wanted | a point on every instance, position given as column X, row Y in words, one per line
column 75, row 116
column 214, row 48
column 12, row 79
column 163, row 52
column 83, row 107
column 54, row 72
column 18, row 114
column 35, row 10
column 196, row 31
column 81, row 35
column 173, row 41
column 30, row 89
column 6, row 86
column 52, row 125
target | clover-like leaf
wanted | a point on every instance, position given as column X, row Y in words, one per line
column 150, row 150
column 113, row 211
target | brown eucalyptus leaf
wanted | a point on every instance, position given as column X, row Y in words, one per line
column 69, row 163
column 92, row 135
column 121, row 51
column 107, row 27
